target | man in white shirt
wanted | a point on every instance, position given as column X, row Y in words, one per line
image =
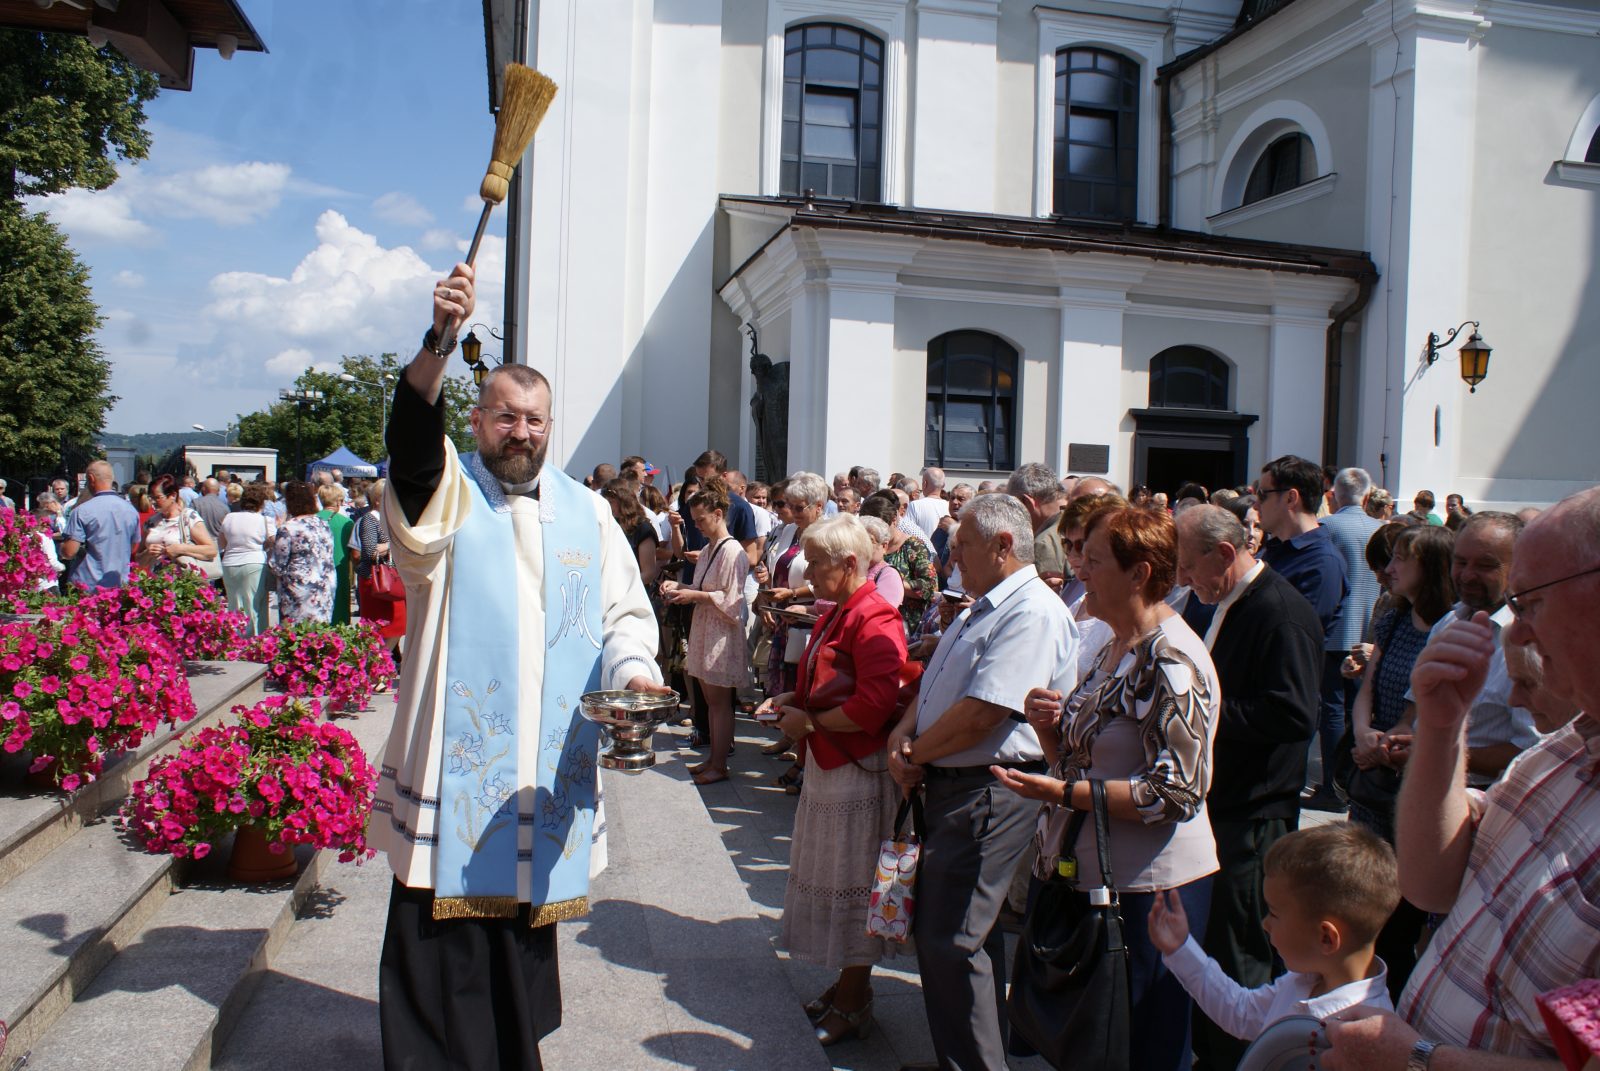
column 1480, row 566
column 968, row 719
column 927, row 511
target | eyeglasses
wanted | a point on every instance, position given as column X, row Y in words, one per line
column 506, row 420
column 1074, row 545
column 1516, row 600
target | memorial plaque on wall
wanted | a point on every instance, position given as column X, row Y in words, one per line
column 1092, row 459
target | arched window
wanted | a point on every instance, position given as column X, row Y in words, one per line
column 1188, row 377
column 1288, row 162
column 1096, row 164
column 972, row 402
column 832, row 113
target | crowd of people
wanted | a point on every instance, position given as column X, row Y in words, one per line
column 288, row 552
column 1219, row 664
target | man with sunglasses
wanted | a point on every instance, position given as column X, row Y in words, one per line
column 522, row 594
column 1515, row 867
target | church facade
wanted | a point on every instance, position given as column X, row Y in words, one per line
column 1150, row 242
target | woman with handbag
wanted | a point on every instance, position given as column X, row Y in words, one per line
column 1138, row 730
column 176, row 533
column 716, row 656
column 378, row 588
column 245, row 536
column 843, row 708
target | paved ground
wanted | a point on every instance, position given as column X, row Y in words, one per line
column 676, row 965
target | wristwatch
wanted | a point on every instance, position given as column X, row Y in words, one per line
column 431, row 343
column 1421, row 1055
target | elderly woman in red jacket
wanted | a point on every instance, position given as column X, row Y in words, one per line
column 843, row 708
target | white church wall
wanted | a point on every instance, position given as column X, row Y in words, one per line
column 1528, row 435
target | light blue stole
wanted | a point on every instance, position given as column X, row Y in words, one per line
column 485, row 802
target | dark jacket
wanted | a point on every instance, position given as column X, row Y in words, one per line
column 1268, row 655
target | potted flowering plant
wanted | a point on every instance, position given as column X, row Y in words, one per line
column 178, row 601
column 74, row 689
column 279, row 777
column 339, row 664
column 24, row 566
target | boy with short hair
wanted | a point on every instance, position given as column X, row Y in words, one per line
column 1329, row 890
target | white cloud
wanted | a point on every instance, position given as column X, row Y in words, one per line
column 130, row 279
column 96, row 215
column 294, row 360
column 226, row 194
column 402, row 208
column 348, row 294
column 440, row 238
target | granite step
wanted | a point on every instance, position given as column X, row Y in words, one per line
column 672, row 967
column 63, row 919
column 34, row 823
column 152, row 977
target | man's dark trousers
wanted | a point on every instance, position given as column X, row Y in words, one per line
column 1234, row 937
column 976, row 834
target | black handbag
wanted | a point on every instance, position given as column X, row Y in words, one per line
column 1070, row 993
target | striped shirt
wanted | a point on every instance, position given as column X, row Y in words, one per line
column 1527, row 919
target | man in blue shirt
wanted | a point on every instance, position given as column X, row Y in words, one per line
column 1351, row 528
column 105, row 528
column 1305, row 554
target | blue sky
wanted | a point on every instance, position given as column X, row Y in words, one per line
column 295, row 206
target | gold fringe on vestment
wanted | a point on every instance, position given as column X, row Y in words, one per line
column 505, row 907
column 559, row 911
column 474, row 907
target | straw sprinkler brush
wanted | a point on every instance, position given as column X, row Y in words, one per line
column 526, row 98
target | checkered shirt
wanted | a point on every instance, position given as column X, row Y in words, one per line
column 1527, row 919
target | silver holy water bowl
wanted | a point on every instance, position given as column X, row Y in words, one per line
column 629, row 719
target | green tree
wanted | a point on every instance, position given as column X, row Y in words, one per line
column 53, row 375
column 67, row 109
column 348, row 415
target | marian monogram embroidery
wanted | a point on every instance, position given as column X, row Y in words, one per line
column 484, row 801
column 574, row 605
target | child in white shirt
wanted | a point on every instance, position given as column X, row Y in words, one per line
column 1329, row 889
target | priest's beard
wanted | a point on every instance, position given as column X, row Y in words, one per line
column 520, row 465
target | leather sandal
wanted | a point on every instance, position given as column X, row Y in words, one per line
column 837, row 1026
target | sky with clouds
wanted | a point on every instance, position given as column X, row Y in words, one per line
column 295, row 206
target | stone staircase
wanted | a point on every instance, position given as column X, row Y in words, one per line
column 113, row 958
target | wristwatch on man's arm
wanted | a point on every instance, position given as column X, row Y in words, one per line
column 1421, row 1055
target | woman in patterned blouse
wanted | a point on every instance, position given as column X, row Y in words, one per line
column 910, row 558
column 1142, row 722
column 302, row 559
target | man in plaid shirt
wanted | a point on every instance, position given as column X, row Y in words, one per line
column 1517, row 867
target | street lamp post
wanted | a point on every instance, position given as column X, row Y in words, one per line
column 213, row 431
column 383, row 388
column 301, row 398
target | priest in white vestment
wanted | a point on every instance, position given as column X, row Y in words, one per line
column 521, row 594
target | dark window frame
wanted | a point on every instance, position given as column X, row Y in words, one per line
column 1196, row 362
column 1280, row 168
column 999, row 404
column 1094, row 194
column 858, row 177
column 1592, row 156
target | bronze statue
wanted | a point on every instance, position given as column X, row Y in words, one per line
column 769, row 411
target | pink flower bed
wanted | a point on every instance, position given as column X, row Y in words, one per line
column 24, row 566
column 180, row 603
column 74, row 688
column 338, row 664
column 298, row 779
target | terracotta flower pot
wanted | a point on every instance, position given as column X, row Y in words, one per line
column 253, row 862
